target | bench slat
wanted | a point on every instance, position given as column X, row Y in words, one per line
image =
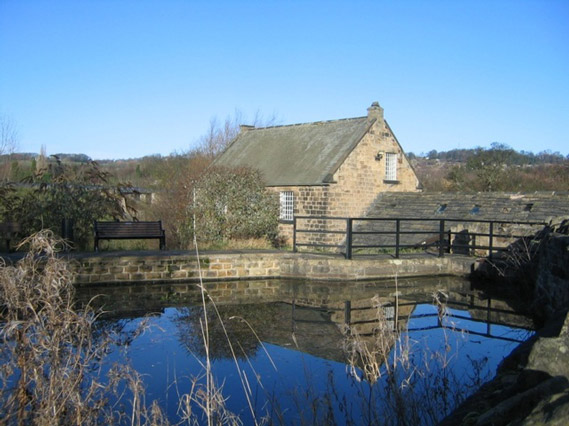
column 9, row 227
column 129, row 230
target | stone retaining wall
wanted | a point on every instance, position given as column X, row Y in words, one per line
column 175, row 267
column 116, row 268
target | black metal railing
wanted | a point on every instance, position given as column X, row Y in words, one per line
column 393, row 235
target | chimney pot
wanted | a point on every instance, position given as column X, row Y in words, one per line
column 375, row 111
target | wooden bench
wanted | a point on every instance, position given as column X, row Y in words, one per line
column 8, row 230
column 129, row 231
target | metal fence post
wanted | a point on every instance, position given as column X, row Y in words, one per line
column 491, row 240
column 442, row 238
column 67, row 231
column 397, row 237
column 294, row 234
column 349, row 238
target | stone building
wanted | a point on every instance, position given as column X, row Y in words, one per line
column 328, row 168
column 468, row 214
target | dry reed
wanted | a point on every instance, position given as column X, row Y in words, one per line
column 52, row 364
column 52, row 369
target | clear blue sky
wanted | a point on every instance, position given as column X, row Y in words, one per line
column 123, row 79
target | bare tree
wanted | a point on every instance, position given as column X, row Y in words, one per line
column 8, row 135
column 490, row 166
column 219, row 135
column 8, row 144
column 181, row 172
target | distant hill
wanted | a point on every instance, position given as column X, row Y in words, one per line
column 499, row 168
column 513, row 157
column 478, row 169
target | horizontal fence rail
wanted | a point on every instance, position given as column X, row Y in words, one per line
column 352, row 236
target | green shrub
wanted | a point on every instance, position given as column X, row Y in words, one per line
column 78, row 193
column 233, row 204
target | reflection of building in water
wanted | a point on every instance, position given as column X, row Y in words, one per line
column 304, row 315
column 365, row 316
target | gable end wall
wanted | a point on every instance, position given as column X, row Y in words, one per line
column 357, row 182
column 361, row 177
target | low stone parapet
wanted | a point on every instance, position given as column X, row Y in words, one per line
column 164, row 267
column 174, row 267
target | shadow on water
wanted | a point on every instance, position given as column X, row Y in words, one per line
column 289, row 337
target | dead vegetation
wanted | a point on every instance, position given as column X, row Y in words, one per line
column 55, row 368
column 401, row 385
column 52, row 362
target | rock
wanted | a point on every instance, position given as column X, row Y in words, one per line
column 532, row 384
column 551, row 354
column 518, row 407
column 551, row 294
column 552, row 410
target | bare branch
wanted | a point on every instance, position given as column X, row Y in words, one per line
column 8, row 135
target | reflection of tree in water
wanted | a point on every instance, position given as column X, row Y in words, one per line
column 127, row 299
column 121, row 331
column 238, row 322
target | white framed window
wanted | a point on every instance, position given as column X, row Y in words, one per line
column 287, row 205
column 390, row 166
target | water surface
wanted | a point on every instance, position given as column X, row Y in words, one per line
column 288, row 343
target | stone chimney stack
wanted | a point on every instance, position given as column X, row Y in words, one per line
column 375, row 112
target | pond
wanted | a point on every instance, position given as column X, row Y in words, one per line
column 306, row 352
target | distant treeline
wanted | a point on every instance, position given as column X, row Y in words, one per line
column 481, row 169
column 511, row 156
column 498, row 168
column 28, row 156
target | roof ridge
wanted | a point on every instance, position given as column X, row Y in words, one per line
column 312, row 122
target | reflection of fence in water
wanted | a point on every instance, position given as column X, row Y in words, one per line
column 397, row 312
column 315, row 311
column 360, row 315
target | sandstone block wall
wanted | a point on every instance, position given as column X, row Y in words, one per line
column 97, row 269
column 240, row 266
column 361, row 177
column 356, row 184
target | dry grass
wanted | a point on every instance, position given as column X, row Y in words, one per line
column 210, row 398
column 47, row 346
column 51, row 372
column 53, row 360
column 240, row 244
column 370, row 353
column 401, row 386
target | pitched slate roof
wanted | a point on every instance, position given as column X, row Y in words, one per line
column 497, row 206
column 300, row 154
column 507, row 206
